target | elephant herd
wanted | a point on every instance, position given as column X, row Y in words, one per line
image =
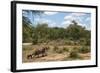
column 41, row 52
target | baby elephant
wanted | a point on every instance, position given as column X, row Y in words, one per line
column 30, row 56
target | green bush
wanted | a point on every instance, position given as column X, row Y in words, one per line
column 69, row 42
column 74, row 55
column 65, row 49
column 57, row 50
column 61, row 50
column 84, row 49
column 24, row 49
column 34, row 41
column 75, row 48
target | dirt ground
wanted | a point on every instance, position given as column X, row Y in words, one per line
column 54, row 57
column 51, row 56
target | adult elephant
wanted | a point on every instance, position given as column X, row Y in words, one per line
column 41, row 52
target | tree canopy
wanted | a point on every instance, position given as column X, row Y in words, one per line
column 43, row 33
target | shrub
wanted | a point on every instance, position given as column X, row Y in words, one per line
column 35, row 41
column 84, row 49
column 69, row 43
column 75, row 48
column 88, row 42
column 60, row 51
column 27, row 48
column 24, row 49
column 57, row 50
column 74, row 55
column 65, row 49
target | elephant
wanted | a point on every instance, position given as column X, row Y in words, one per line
column 41, row 52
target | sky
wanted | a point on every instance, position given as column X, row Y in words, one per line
column 61, row 19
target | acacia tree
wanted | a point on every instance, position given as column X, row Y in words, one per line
column 75, row 31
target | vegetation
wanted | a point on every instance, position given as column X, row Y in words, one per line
column 74, row 55
column 72, row 35
column 84, row 49
column 69, row 42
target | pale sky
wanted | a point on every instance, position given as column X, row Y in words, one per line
column 62, row 19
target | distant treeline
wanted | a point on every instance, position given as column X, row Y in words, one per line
column 44, row 34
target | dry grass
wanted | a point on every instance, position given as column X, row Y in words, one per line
column 61, row 53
